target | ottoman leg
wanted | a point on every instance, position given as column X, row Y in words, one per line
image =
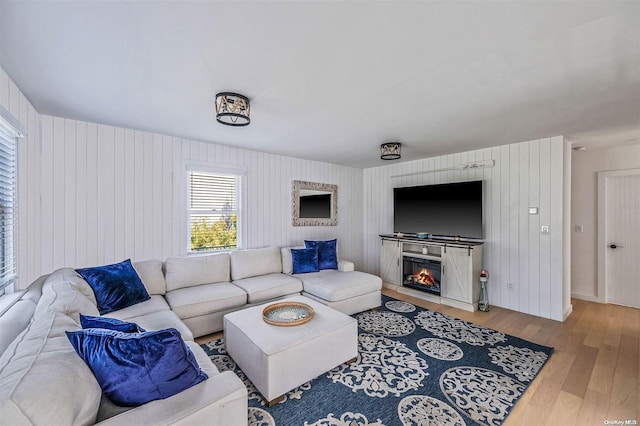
column 274, row 401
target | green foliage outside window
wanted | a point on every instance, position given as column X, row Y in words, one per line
column 214, row 234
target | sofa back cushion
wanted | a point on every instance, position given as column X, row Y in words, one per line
column 150, row 272
column 287, row 260
column 64, row 291
column 254, row 262
column 43, row 380
column 196, row 270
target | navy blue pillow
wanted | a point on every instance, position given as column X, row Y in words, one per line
column 115, row 286
column 304, row 260
column 135, row 368
column 327, row 255
column 87, row 321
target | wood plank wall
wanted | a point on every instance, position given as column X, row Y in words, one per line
column 526, row 174
column 110, row 193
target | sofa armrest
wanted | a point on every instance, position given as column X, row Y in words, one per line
column 345, row 266
column 219, row 400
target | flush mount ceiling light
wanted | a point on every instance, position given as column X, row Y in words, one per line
column 233, row 109
column 390, row 150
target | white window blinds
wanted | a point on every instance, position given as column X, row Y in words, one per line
column 215, row 219
column 8, row 206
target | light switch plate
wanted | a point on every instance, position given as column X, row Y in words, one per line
column 579, row 228
column 544, row 229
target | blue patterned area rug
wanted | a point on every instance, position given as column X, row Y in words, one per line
column 414, row 367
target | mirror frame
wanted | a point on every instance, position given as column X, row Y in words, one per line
column 297, row 186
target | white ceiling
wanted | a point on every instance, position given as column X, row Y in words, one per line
column 330, row 81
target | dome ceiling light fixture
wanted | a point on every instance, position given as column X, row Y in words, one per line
column 233, row 109
column 390, row 151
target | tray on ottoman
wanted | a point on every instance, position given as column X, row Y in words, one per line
column 287, row 314
column 278, row 359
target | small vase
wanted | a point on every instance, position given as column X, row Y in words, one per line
column 483, row 298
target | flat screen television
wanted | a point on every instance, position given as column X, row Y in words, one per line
column 449, row 210
column 315, row 206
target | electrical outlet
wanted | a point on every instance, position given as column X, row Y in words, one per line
column 544, row 230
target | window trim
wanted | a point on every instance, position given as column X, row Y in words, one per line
column 214, row 168
column 11, row 126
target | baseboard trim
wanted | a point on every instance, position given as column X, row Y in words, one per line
column 567, row 313
column 587, row 297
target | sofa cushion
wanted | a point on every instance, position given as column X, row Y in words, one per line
column 255, row 262
column 116, row 286
column 154, row 304
column 332, row 285
column 64, row 291
column 205, row 299
column 135, row 368
column 87, row 321
column 28, row 392
column 163, row 319
column 270, row 286
column 190, row 271
column 304, row 260
column 287, row 260
column 327, row 254
column 203, row 360
column 150, row 272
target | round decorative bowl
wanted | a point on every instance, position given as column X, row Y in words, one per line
column 422, row 235
column 287, row 314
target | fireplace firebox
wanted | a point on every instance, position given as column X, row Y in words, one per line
column 421, row 274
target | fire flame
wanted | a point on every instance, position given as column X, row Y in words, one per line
column 424, row 276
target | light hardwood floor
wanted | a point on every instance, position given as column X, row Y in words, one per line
column 593, row 375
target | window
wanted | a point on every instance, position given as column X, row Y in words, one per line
column 8, row 203
column 214, row 210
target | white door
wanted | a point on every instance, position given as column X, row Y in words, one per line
column 621, row 239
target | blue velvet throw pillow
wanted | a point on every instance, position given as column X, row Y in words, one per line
column 135, row 368
column 327, row 254
column 115, row 286
column 304, row 260
column 87, row 321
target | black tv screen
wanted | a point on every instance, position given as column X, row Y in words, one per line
column 315, row 206
column 450, row 209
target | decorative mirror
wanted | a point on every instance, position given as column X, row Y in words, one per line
column 314, row 204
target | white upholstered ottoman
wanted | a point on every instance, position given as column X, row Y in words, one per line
column 278, row 359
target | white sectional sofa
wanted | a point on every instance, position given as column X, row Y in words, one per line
column 43, row 380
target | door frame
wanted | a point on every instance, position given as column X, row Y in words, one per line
column 602, row 228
